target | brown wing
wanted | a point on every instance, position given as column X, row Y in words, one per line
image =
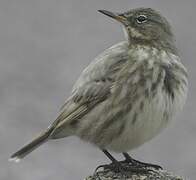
column 94, row 86
column 81, row 102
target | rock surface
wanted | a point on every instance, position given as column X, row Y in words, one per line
column 132, row 173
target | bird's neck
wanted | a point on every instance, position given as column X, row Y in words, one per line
column 165, row 44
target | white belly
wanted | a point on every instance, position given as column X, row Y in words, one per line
column 155, row 116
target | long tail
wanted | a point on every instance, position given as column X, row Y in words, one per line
column 31, row 146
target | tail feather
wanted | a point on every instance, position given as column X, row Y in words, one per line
column 30, row 147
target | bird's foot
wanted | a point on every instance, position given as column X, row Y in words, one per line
column 139, row 164
column 114, row 166
column 120, row 169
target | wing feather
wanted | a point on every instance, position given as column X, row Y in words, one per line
column 94, row 86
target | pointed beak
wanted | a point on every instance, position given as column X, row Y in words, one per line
column 119, row 17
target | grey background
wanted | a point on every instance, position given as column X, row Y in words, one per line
column 44, row 45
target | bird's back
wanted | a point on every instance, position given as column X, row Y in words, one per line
column 103, row 65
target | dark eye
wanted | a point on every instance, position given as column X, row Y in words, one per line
column 141, row 19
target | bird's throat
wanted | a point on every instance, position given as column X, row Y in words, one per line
column 126, row 34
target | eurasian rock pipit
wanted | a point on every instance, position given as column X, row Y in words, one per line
column 128, row 94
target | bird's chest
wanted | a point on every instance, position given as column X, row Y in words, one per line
column 155, row 92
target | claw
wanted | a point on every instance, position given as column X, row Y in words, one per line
column 139, row 164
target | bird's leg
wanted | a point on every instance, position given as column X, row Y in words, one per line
column 136, row 163
column 115, row 165
column 109, row 156
column 122, row 167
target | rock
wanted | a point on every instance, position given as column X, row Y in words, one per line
column 130, row 172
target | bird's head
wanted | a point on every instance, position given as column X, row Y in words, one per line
column 143, row 25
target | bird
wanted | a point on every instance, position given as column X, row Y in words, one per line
column 128, row 94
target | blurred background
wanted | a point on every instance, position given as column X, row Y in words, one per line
column 44, row 46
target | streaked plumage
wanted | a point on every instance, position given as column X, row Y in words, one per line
column 128, row 94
